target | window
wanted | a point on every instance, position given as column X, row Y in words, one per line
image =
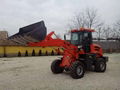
column 87, row 39
column 74, row 36
column 86, row 35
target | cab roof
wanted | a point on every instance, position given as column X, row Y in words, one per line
column 83, row 29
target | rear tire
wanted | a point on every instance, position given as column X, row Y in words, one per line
column 55, row 67
column 77, row 70
column 100, row 66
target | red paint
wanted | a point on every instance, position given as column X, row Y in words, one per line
column 82, row 29
column 96, row 49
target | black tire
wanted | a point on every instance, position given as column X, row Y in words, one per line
column 55, row 67
column 77, row 70
column 100, row 66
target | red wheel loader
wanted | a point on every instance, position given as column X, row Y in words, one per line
column 80, row 53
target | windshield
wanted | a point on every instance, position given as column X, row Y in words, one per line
column 74, row 38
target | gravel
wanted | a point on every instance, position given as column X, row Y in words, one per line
column 33, row 73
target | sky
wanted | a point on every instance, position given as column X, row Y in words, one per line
column 57, row 14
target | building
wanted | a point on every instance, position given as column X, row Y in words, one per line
column 3, row 35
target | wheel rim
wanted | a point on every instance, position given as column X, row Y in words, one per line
column 102, row 65
column 79, row 70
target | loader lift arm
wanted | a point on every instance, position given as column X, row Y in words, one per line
column 49, row 41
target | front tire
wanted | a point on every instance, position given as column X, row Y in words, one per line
column 77, row 70
column 55, row 67
column 100, row 66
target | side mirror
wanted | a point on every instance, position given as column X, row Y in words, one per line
column 67, row 37
column 64, row 37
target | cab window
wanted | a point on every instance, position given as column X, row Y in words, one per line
column 74, row 36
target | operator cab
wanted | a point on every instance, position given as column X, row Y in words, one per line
column 82, row 38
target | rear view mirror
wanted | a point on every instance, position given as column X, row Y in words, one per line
column 64, row 37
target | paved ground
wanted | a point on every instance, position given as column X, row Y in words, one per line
column 33, row 73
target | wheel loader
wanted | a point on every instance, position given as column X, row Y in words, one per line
column 79, row 53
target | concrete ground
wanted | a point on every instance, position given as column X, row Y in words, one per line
column 33, row 73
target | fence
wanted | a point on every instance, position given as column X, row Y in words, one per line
column 109, row 46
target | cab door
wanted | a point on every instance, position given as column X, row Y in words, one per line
column 87, row 41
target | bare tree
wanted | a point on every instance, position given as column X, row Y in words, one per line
column 99, row 33
column 79, row 20
column 116, row 29
column 118, row 24
column 107, row 32
column 87, row 18
column 92, row 19
column 111, row 32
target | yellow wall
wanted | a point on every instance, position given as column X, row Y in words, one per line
column 1, row 51
column 14, row 50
